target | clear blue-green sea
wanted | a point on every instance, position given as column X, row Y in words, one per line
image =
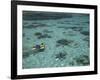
column 65, row 36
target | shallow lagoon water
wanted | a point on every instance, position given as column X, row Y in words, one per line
column 65, row 35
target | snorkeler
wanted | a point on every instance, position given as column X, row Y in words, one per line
column 36, row 47
column 39, row 47
column 42, row 46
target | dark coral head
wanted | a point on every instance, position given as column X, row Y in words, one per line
column 64, row 41
column 38, row 34
column 61, row 55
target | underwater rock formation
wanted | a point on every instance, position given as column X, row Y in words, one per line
column 71, row 34
column 64, row 27
column 71, row 63
column 64, row 42
column 63, row 32
column 83, row 60
column 47, row 31
column 77, row 28
column 61, row 55
column 24, row 34
column 86, row 38
column 38, row 34
column 86, row 33
column 26, row 54
column 75, row 45
column 41, row 35
column 28, row 38
column 44, row 36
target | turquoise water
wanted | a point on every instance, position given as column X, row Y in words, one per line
column 65, row 35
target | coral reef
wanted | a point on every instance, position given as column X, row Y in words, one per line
column 41, row 35
column 77, row 28
column 75, row 45
column 83, row 60
column 47, row 31
column 24, row 34
column 28, row 38
column 44, row 36
column 38, row 34
column 86, row 38
column 64, row 42
column 64, row 27
column 86, row 33
column 71, row 63
column 61, row 55
column 26, row 54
